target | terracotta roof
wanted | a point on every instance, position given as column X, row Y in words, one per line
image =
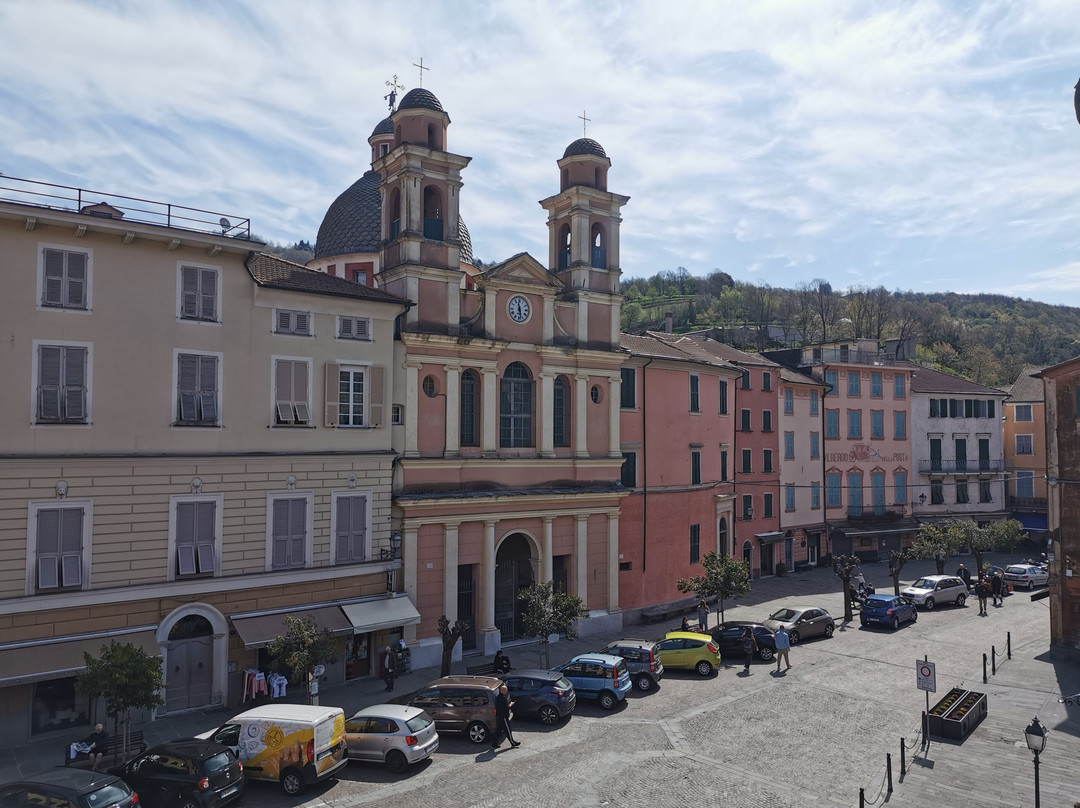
column 789, row 376
column 730, row 354
column 276, row 273
column 928, row 380
column 1028, row 387
column 668, row 346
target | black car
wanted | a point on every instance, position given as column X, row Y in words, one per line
column 186, row 773
column 65, row 786
column 729, row 637
column 544, row 695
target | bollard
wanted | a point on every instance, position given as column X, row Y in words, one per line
column 984, row 669
column 925, row 729
column 903, row 759
column 1008, row 643
column 888, row 768
column 993, row 660
column 862, row 798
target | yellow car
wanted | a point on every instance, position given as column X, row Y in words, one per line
column 689, row 650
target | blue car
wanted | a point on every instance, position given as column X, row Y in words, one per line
column 598, row 676
column 890, row 610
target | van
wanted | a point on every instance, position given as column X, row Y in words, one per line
column 295, row 745
column 464, row 704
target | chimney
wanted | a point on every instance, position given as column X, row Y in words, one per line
column 669, row 322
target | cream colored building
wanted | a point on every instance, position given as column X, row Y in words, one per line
column 197, row 441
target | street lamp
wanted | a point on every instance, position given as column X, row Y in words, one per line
column 1035, row 735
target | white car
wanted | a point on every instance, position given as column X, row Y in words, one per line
column 1027, row 576
column 394, row 734
column 933, row 590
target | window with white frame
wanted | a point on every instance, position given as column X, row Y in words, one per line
column 199, row 299
column 396, row 415
column 62, row 384
column 64, row 278
column 789, row 401
column 350, row 527
column 58, row 556
column 289, row 526
column 1024, row 445
column 292, row 393
column 1022, row 412
column 197, row 389
column 354, row 395
column 196, row 533
column 354, row 328
column 288, row 321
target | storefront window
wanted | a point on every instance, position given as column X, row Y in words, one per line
column 357, row 656
column 57, row 706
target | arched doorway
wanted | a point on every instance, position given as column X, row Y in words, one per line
column 748, row 557
column 513, row 572
column 189, row 676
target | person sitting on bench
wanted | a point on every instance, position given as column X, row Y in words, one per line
column 501, row 662
column 93, row 746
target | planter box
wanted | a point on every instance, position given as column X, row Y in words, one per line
column 957, row 714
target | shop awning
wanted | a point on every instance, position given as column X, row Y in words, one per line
column 35, row 660
column 771, row 537
column 374, row 615
column 257, row 630
column 1032, row 522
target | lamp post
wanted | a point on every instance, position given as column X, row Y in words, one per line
column 1035, row 735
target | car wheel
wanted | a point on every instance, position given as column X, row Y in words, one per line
column 548, row 715
column 929, row 605
column 396, row 761
column 644, row 683
column 1031, row 585
column 865, row 622
column 895, row 623
column 794, row 637
column 829, row 629
column 914, row 615
column 477, row 731
column 704, row 667
column 291, row 782
column 608, row 700
column 960, row 599
column 765, row 653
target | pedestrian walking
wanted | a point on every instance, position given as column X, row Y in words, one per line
column 703, row 616
column 982, row 589
column 783, row 646
column 749, row 646
column 389, row 665
column 996, row 587
column 502, row 719
column 962, row 572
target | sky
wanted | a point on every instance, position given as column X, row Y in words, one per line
column 925, row 146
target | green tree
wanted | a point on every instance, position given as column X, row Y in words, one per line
column 549, row 611
column 940, row 540
column 996, row 535
column 897, row 560
column 724, row 577
column 303, row 646
column 844, row 566
column 127, row 678
column 450, row 635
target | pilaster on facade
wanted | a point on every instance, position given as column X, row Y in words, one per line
column 453, row 410
column 412, row 400
column 581, row 556
column 409, row 572
column 546, row 560
column 614, row 409
column 581, row 398
column 613, row 561
column 489, row 430
column 450, row 570
column 547, row 431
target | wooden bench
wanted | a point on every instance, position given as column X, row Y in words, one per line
column 136, row 746
column 487, row 669
column 666, row 611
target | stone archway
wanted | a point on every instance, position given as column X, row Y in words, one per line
column 748, row 557
column 193, row 641
column 515, row 569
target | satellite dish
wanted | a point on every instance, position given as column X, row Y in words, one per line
column 225, row 225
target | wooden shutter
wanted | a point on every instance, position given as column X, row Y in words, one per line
column 345, row 327
column 280, row 534
column 185, row 538
column 53, row 294
column 360, row 328
column 76, row 280
column 300, row 392
column 208, row 393
column 189, row 291
column 351, row 529
column 303, row 322
column 186, row 375
column 49, row 373
column 376, row 381
column 74, row 384
column 48, row 549
column 332, row 386
column 208, row 294
column 297, row 532
column 283, row 389
column 284, row 321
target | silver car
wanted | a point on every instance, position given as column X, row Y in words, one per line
column 933, row 590
column 802, row 622
column 394, row 734
column 1026, row 576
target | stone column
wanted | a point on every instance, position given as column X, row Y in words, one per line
column 545, row 414
column 614, row 415
column 453, row 410
column 489, row 432
column 412, row 403
column 613, row 562
column 408, row 564
column 488, row 632
column 581, row 421
column 547, row 566
column 450, row 570
column 489, row 313
column 581, row 557
column 581, row 326
column 549, row 320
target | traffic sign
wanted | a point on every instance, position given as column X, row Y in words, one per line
column 926, row 675
column 319, row 670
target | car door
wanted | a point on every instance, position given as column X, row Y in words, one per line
column 523, row 692
column 672, row 652
column 148, row 778
column 357, row 741
column 812, row 623
column 433, row 702
column 575, row 674
column 380, row 737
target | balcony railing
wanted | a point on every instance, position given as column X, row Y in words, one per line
column 127, row 208
column 961, row 466
column 1035, row 504
column 830, row 356
column 874, row 513
column 433, row 229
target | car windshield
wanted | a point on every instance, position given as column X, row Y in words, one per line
column 924, row 583
column 878, row 600
column 219, row 762
column 784, row 614
column 109, row 795
column 419, row 722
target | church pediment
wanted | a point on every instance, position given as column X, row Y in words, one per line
column 519, row 270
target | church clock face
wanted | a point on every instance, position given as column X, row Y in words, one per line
column 518, row 309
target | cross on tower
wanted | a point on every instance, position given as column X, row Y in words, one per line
column 392, row 95
column 584, row 122
column 422, row 69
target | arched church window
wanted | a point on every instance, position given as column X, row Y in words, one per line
column 516, row 407
column 394, row 212
column 564, row 246
column 433, row 214
column 722, row 535
column 560, row 411
column 470, row 408
column 598, row 242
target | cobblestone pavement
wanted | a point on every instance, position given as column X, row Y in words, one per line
column 807, row 738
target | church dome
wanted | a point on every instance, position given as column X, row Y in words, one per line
column 385, row 127
column 585, row 145
column 419, row 98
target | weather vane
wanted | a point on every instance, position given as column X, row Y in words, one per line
column 584, row 122
column 422, row 69
column 392, row 95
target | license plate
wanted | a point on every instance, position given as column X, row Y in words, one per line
column 229, row 791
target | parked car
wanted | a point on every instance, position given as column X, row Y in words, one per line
column 890, row 610
column 183, row 774
column 598, row 676
column 395, row 734
column 1007, row 588
column 546, row 696
column 1026, row 576
column 69, row 787
column 689, row 650
column 642, row 660
column 933, row 590
column 728, row 636
column 464, row 704
column 802, row 622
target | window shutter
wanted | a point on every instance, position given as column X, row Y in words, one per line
column 75, row 384
column 208, row 398
column 345, row 327
column 48, row 549
column 300, row 391
column 71, row 545
column 283, row 387
column 76, row 278
column 206, row 557
column 186, row 559
column 343, row 550
column 186, row 374
column 990, row 408
column 208, row 295
column 185, row 537
column 189, row 290
column 284, row 321
column 49, row 366
column 54, row 278
column 377, row 375
column 280, row 534
column 303, row 322
column 297, row 532
column 332, row 387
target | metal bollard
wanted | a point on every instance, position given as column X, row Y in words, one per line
column 984, row 669
column 993, row 660
column 888, row 768
column 862, row 798
column 1008, row 643
column 903, row 759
